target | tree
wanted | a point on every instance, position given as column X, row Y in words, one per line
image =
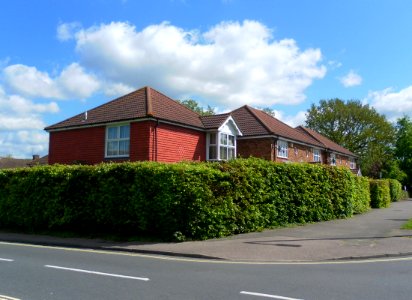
column 269, row 111
column 193, row 105
column 403, row 150
column 357, row 127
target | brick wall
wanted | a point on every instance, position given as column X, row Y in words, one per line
column 261, row 148
column 177, row 143
column 141, row 133
column 300, row 153
column 87, row 145
column 77, row 145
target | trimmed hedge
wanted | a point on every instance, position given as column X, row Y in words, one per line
column 395, row 190
column 380, row 193
column 362, row 197
column 177, row 201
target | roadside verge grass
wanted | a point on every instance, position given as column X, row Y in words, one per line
column 407, row 225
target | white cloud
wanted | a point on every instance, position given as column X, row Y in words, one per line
column 66, row 31
column 73, row 82
column 21, row 125
column 231, row 64
column 351, row 79
column 391, row 103
column 116, row 89
column 292, row 120
column 23, row 144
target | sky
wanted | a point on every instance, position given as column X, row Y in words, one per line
column 61, row 58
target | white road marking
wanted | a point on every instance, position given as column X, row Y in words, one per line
column 267, row 296
column 97, row 273
column 2, row 297
column 207, row 261
column 6, row 259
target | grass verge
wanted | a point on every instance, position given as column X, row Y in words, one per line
column 407, row 225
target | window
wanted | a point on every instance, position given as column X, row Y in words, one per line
column 333, row 159
column 316, row 155
column 118, row 141
column 282, row 149
column 222, row 146
column 352, row 163
column 227, row 146
column 212, row 146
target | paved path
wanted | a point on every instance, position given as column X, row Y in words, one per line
column 374, row 234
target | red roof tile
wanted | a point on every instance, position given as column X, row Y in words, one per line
column 145, row 102
column 253, row 121
column 325, row 141
column 214, row 121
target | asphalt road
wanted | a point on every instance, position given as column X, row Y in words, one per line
column 36, row 272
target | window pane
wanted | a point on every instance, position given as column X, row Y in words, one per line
column 223, row 139
column 124, row 132
column 212, row 138
column 282, row 149
column 223, row 153
column 112, row 133
column 212, row 152
column 231, row 153
column 124, row 147
column 112, row 148
column 231, row 140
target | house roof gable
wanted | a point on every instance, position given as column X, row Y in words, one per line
column 143, row 103
column 255, row 122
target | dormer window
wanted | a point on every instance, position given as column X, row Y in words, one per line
column 221, row 144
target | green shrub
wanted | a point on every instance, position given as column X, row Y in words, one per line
column 362, row 198
column 395, row 188
column 380, row 193
column 177, row 201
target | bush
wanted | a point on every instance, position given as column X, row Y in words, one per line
column 176, row 201
column 395, row 188
column 362, row 198
column 380, row 193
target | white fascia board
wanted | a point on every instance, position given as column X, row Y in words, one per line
column 230, row 119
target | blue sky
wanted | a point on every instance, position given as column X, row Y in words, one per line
column 61, row 58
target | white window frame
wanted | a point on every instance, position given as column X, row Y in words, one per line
column 282, row 149
column 218, row 145
column 118, row 139
column 352, row 163
column 317, row 155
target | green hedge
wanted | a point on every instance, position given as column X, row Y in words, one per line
column 395, row 189
column 176, row 201
column 362, row 198
column 380, row 193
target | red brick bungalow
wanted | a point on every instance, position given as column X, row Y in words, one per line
column 147, row 125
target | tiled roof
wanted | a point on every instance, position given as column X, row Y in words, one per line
column 214, row 121
column 11, row 163
column 145, row 102
column 248, row 123
column 256, row 122
column 325, row 141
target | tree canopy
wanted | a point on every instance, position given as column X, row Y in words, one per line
column 357, row 127
column 403, row 150
column 194, row 105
